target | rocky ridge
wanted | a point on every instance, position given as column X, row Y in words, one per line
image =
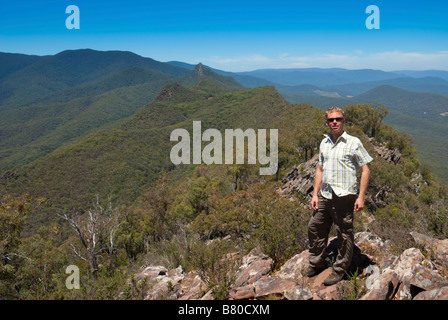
column 375, row 274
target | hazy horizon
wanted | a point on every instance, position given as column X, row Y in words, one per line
column 238, row 36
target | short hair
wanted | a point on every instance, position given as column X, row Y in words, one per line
column 333, row 109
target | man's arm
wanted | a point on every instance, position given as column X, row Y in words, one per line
column 317, row 185
column 365, row 172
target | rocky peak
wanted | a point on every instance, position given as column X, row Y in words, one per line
column 204, row 77
column 389, row 154
column 199, row 69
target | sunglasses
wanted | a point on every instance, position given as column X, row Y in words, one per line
column 337, row 119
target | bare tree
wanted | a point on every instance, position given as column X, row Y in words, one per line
column 96, row 230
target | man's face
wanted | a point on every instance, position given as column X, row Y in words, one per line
column 335, row 121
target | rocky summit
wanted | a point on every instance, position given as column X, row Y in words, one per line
column 419, row 272
column 375, row 274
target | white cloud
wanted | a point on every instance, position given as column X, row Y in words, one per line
column 321, row 60
column 391, row 60
column 387, row 61
column 398, row 60
column 240, row 63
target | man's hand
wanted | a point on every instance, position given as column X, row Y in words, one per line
column 314, row 202
column 365, row 172
column 359, row 204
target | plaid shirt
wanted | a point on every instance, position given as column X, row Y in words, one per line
column 340, row 162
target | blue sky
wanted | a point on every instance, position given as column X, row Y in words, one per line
column 238, row 35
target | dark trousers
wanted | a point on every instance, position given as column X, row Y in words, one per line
column 338, row 210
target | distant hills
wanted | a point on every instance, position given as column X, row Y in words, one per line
column 320, row 77
column 69, row 69
column 51, row 101
column 344, row 82
column 417, row 100
column 418, row 104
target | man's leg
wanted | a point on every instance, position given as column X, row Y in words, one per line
column 343, row 220
column 318, row 230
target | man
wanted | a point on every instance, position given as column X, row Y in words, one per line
column 335, row 195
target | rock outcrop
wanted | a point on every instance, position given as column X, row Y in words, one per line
column 388, row 154
column 167, row 92
column 301, row 178
column 375, row 274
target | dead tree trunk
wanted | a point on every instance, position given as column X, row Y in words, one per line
column 93, row 230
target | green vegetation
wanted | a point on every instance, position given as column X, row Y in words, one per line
column 428, row 140
column 34, row 130
column 148, row 211
column 417, row 113
column 120, row 162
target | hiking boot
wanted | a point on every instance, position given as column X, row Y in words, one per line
column 333, row 278
column 311, row 272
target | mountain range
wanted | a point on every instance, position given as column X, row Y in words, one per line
column 417, row 100
column 50, row 101
column 87, row 135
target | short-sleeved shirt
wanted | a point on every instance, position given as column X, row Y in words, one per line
column 340, row 162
